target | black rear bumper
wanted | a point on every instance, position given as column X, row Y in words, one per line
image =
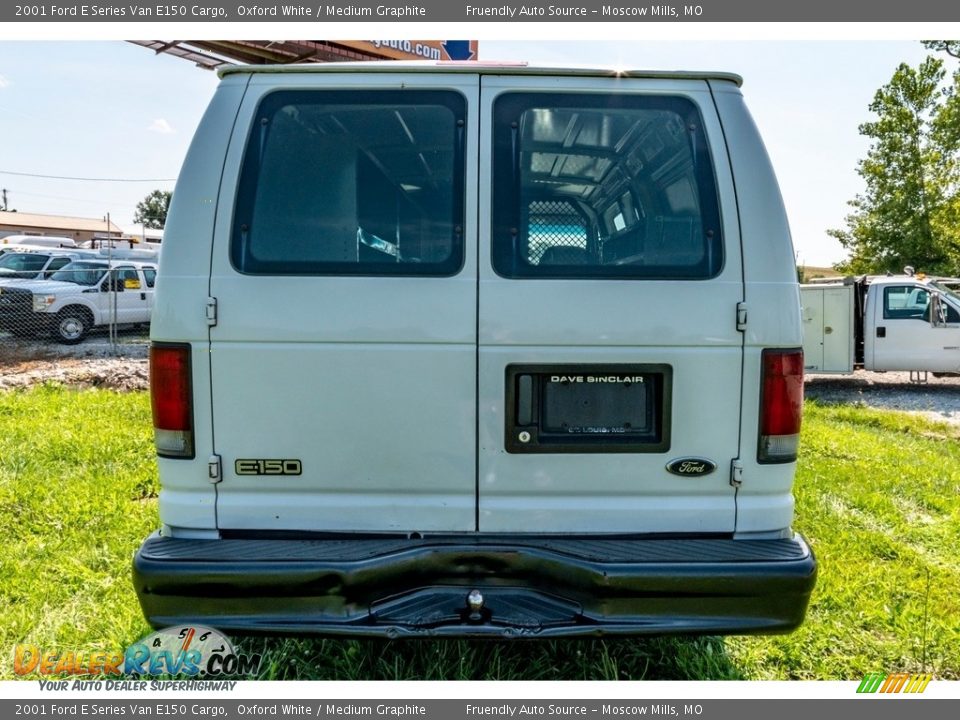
column 532, row 586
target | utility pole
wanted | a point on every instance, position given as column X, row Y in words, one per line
column 4, row 206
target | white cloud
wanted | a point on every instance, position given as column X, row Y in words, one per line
column 161, row 126
column 4, row 82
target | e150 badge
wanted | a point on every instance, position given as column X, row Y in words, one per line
column 267, row 467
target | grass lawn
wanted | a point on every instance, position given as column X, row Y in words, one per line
column 878, row 496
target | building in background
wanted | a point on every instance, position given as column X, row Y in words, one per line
column 80, row 229
column 143, row 234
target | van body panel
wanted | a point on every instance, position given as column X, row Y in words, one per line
column 687, row 325
column 380, row 409
column 399, row 459
column 634, row 492
column 772, row 300
column 188, row 498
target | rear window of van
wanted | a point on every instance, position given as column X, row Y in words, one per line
column 352, row 183
column 603, row 186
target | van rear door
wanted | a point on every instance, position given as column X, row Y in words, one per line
column 343, row 354
column 610, row 276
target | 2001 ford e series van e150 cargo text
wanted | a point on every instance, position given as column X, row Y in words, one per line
column 455, row 349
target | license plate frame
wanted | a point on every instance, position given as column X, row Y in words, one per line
column 588, row 408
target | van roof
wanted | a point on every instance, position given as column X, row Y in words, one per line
column 476, row 67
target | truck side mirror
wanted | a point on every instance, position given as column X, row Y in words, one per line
column 938, row 310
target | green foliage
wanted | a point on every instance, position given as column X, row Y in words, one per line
column 152, row 210
column 908, row 213
column 950, row 47
column 878, row 495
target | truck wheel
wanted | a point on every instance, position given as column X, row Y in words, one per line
column 72, row 325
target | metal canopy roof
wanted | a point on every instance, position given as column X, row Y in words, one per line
column 213, row 54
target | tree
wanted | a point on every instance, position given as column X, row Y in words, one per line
column 911, row 175
column 950, row 47
column 152, row 210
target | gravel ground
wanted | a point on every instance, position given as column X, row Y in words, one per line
column 92, row 363
column 937, row 399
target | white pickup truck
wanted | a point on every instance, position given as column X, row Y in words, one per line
column 82, row 295
column 904, row 322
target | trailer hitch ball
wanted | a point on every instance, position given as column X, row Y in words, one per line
column 475, row 604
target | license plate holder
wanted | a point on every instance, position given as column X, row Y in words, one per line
column 588, row 408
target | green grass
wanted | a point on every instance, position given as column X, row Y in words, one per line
column 878, row 495
column 77, row 494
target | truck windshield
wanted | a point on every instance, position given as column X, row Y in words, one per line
column 24, row 265
column 950, row 292
column 81, row 273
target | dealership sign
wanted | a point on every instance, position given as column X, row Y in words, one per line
column 416, row 49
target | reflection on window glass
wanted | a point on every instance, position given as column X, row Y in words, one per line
column 602, row 185
column 352, row 183
column 23, row 262
column 81, row 273
column 905, row 303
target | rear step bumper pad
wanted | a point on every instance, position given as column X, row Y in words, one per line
column 531, row 586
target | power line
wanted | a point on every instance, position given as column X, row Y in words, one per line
column 87, row 201
column 86, row 179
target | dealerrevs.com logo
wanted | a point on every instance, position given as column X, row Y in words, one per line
column 182, row 650
column 894, row 683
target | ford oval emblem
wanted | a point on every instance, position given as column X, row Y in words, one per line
column 691, row 467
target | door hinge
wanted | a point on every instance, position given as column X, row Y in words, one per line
column 211, row 311
column 214, row 469
column 741, row 316
column 736, row 472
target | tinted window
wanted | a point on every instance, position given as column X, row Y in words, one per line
column 358, row 183
column 905, row 303
column 126, row 273
column 603, row 185
column 23, row 264
column 55, row 264
column 81, row 273
column 150, row 275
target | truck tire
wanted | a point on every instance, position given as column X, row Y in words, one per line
column 72, row 324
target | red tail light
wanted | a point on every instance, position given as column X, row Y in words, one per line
column 171, row 395
column 781, row 405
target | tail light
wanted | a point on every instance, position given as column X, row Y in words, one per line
column 781, row 405
column 171, row 395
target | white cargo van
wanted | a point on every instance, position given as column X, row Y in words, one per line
column 455, row 349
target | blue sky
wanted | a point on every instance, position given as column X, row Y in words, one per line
column 112, row 109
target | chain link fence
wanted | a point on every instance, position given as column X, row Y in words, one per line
column 73, row 303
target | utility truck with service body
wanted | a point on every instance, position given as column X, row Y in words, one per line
column 456, row 349
column 907, row 322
